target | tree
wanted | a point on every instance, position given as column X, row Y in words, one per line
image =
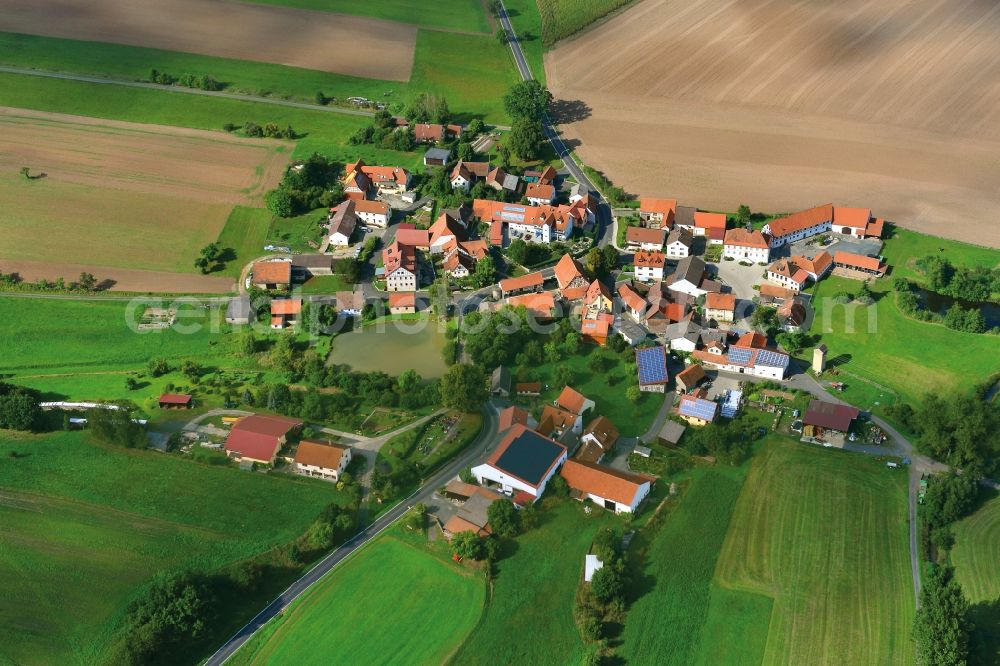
column 941, row 627
column 502, row 35
column 280, row 203
column 131, row 384
column 949, row 497
column 633, row 394
column 26, row 172
column 463, row 387
column 115, row 426
column 764, row 319
column 495, row 6
column 465, row 152
column 428, row 108
column 517, row 251
column 743, row 215
column 486, row 272
column 86, row 282
column 19, row 408
column 527, row 100
column 607, row 584
column 467, row 545
column 563, row 375
column 526, row 138
column 474, row 128
column 503, row 154
column 504, row 518
column 246, row 343
column 157, row 367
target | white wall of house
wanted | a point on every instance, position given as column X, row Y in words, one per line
column 340, row 239
column 537, row 233
column 618, row 506
column 459, row 271
column 677, row 250
column 778, row 241
column 765, row 371
column 539, row 201
column 719, row 315
column 653, row 388
column 648, row 273
column 508, row 484
column 460, row 183
column 375, row 219
column 760, row 255
column 401, row 280
column 325, row 473
column 686, row 287
column 683, row 344
column 784, row 281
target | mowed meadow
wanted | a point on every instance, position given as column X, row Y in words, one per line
column 799, row 557
column 85, row 527
column 977, row 568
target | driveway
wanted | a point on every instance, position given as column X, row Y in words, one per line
column 740, row 279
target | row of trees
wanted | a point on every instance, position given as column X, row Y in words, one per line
column 314, row 183
column 85, row 283
column 526, row 103
column 203, row 82
column 602, row 601
column 976, row 284
column 268, row 130
column 967, row 320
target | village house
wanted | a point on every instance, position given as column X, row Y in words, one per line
column 520, row 285
column 612, row 489
column 649, row 266
column 644, row 238
column 408, row 234
column 696, row 409
column 679, row 244
column 175, row 401
column 798, row 226
column 366, row 182
column 437, row 156
column 514, row 415
column 682, row 336
column 569, row 276
column 749, row 355
column 538, row 224
column 546, row 176
column 465, row 174
column 720, row 307
column 688, row 277
column 634, row 304
column 856, row 222
column 522, row 464
column 684, row 218
column 321, row 460
column 597, row 300
column 272, row 275
column 689, row 378
column 575, row 402
column 786, row 273
column 500, row 382
column 285, row 312
column 501, row 181
column 651, row 366
column 630, row 331
column 858, row 266
column 657, row 213
column 597, row 440
column 559, row 424
column 259, row 437
column 445, row 234
column 435, row 133
column 710, row 225
column 541, row 306
column 305, row 266
column 403, row 302
column 596, row 330
column 473, row 514
column 527, row 389
column 350, row 303
column 539, row 195
column 584, row 209
column 816, row 267
column 402, row 268
column 373, row 213
column 743, row 245
column 341, row 223
column 792, row 314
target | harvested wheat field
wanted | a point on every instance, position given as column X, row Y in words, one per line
column 782, row 105
column 317, row 40
column 124, row 195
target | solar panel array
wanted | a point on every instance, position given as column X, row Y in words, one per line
column 652, row 364
column 529, row 456
column 740, row 355
column 698, row 408
column 772, row 359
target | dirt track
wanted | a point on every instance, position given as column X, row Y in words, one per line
column 300, row 38
column 784, row 105
column 126, row 279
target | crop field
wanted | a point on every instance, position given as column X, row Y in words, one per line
column 887, row 354
column 562, row 18
column 978, row 570
column 824, row 533
column 530, row 618
column 782, row 105
column 393, row 603
column 445, row 63
column 81, row 536
column 244, row 31
column 461, row 15
column 155, row 194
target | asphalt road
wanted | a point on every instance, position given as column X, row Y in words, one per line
column 487, row 439
column 604, row 220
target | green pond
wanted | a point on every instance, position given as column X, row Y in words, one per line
column 392, row 346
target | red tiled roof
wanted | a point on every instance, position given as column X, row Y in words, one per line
column 817, row 265
column 740, row 237
column 524, row 282
column 715, row 301
column 675, row 311
column 605, row 482
column 631, row 298
column 801, row 220
column 775, row 291
column 428, row 132
column 272, row 272
column 286, row 306
column 368, row 206
column 402, row 299
column 567, row 270
column 513, row 416
column 691, row 375
column 595, row 291
column 603, row 430
column 858, row 261
column 540, row 304
column 528, row 387
column 753, row 340
column 875, row 228
column 554, row 419
column 708, row 221
column 856, row 218
column 645, row 235
column 666, row 207
column 319, row 454
column 830, row 415
column 258, row 436
column 175, row 399
column 537, row 191
column 650, row 259
column 571, row 400
column 414, row 237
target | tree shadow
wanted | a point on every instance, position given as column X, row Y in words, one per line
column 840, row 359
column 985, row 640
column 105, row 284
column 566, row 111
column 526, row 37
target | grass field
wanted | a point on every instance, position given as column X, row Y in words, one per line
column 82, row 534
column 978, row 570
column 530, row 618
column 562, row 18
column 903, row 354
column 824, row 533
column 463, row 15
column 527, row 23
column 472, row 71
column 904, row 248
column 393, row 603
column 245, row 234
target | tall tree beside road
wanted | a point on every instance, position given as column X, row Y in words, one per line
column 526, row 138
column 941, row 628
column 463, row 388
column 527, row 99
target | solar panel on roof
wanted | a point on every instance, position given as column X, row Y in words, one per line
column 529, row 456
column 698, row 408
column 652, row 364
column 515, row 209
column 740, row 354
column 772, row 359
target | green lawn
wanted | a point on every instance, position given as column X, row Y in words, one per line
column 472, row 71
column 908, row 356
column 824, row 534
column 673, row 593
column 245, row 234
column 85, row 526
column 904, row 247
column 326, row 284
column 297, row 232
column 530, row 618
column 978, row 570
column 465, row 15
column 393, row 603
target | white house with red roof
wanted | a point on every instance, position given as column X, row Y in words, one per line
column 402, row 269
column 522, row 464
column 539, row 195
column 465, row 174
column 649, row 266
column 615, row 490
column 784, row 272
column 749, row 355
column 657, row 213
column 743, row 245
column 259, row 437
column 710, row 225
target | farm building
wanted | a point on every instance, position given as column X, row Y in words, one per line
column 285, row 312
column 615, row 490
column 651, row 366
column 259, row 437
column 689, row 378
column 519, row 285
column 657, row 213
column 472, row 515
column 403, row 302
column 858, row 266
column 671, row 433
column 437, row 156
column 322, row 461
column 175, row 401
column 645, row 238
column 238, row 311
column 829, row 416
column 522, row 463
column 720, row 307
column 598, row 438
column 276, row 275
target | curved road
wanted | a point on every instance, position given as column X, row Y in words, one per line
column 486, row 440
